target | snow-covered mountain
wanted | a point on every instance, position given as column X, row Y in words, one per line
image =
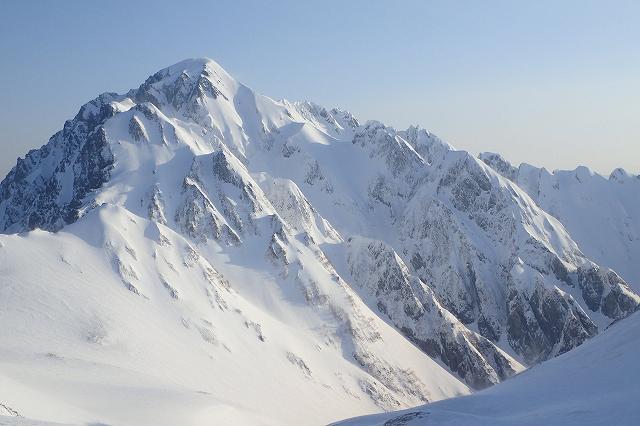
column 594, row 384
column 219, row 253
column 601, row 214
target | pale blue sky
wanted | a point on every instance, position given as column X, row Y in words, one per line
column 553, row 83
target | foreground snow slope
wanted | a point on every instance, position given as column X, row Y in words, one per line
column 594, row 384
column 78, row 347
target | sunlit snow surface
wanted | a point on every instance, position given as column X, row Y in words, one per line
column 77, row 348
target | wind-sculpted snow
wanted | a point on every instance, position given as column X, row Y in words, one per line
column 284, row 247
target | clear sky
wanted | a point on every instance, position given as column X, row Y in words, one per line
column 552, row 83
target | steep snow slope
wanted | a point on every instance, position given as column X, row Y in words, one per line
column 184, row 345
column 259, row 226
column 594, row 384
column 601, row 214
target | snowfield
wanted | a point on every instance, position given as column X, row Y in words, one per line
column 79, row 349
column 192, row 252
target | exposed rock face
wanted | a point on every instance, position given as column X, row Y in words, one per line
column 606, row 291
column 600, row 213
column 546, row 323
column 48, row 187
column 459, row 257
column 413, row 307
column 494, row 260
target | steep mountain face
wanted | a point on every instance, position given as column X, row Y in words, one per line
column 413, row 307
column 329, row 241
column 46, row 189
column 503, row 265
column 601, row 214
column 556, row 392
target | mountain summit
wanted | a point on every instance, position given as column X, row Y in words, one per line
column 283, row 262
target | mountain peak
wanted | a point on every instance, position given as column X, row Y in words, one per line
column 195, row 68
column 620, row 175
column 186, row 81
